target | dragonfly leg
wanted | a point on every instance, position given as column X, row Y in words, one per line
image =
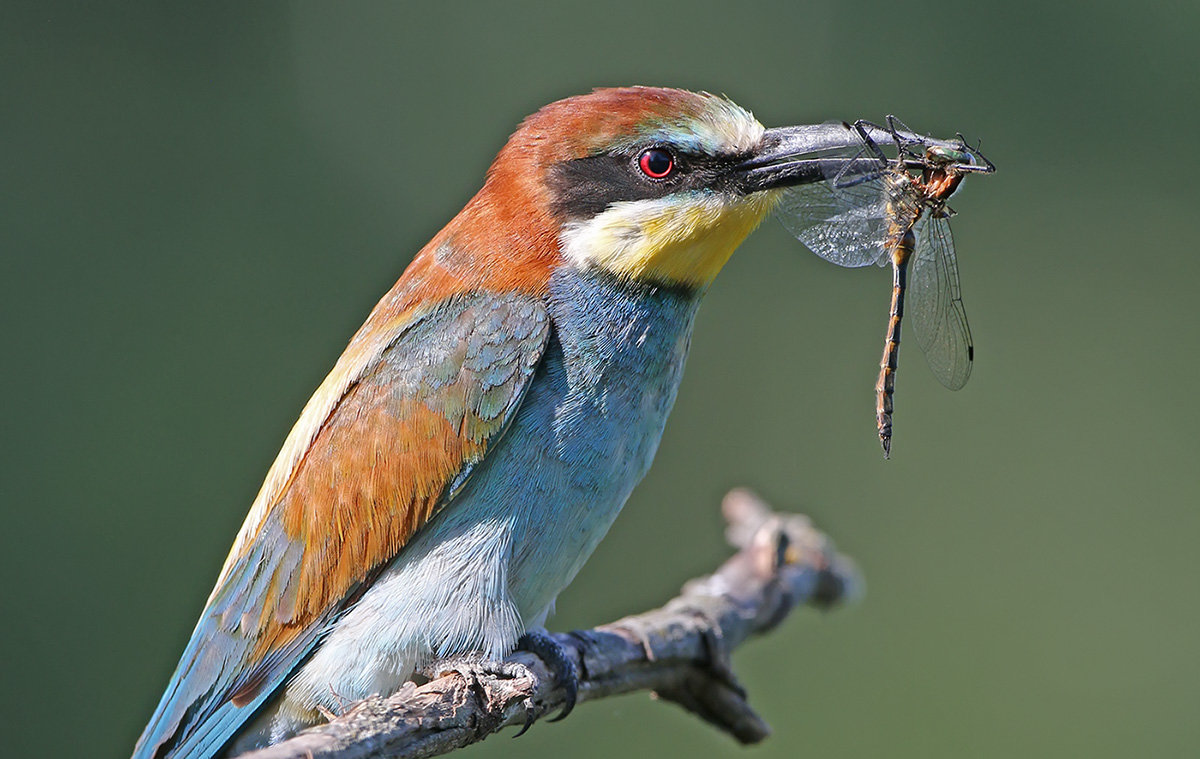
column 860, row 126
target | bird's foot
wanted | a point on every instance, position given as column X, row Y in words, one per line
column 560, row 663
column 475, row 668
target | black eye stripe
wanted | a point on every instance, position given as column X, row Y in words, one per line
column 584, row 187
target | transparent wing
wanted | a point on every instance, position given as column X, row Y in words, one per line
column 844, row 218
column 935, row 304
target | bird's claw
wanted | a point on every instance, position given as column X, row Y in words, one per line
column 530, row 717
column 473, row 668
column 566, row 675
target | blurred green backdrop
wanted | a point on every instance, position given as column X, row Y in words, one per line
column 198, row 205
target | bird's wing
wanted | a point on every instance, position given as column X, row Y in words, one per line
column 385, row 443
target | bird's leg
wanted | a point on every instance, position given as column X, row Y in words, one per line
column 560, row 663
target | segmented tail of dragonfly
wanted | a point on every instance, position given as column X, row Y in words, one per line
column 902, row 245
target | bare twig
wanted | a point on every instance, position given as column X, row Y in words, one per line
column 680, row 651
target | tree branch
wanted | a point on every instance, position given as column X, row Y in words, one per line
column 680, row 652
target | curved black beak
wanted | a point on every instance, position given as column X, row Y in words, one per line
column 795, row 155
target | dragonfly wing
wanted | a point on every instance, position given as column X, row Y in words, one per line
column 935, row 304
column 843, row 219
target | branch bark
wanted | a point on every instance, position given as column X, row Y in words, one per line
column 679, row 651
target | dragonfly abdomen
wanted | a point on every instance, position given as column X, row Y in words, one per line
column 885, row 386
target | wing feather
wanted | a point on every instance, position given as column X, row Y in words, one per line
column 402, row 436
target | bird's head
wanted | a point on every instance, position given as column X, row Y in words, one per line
column 649, row 184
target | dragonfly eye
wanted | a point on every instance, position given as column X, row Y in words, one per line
column 656, row 163
column 945, row 156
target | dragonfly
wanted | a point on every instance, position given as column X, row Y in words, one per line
column 874, row 209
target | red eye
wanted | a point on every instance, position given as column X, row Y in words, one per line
column 656, row 163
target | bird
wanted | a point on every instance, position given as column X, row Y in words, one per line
column 486, row 424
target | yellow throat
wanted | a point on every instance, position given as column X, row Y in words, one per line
column 676, row 240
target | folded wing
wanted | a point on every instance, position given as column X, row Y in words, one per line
column 396, row 436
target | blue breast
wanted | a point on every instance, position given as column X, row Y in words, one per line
column 589, row 426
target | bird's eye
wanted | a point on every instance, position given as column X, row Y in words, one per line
column 656, row 163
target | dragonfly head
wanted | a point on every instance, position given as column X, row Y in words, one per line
column 960, row 158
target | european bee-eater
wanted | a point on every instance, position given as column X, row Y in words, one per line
column 485, row 425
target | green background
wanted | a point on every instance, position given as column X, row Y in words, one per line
column 198, row 206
